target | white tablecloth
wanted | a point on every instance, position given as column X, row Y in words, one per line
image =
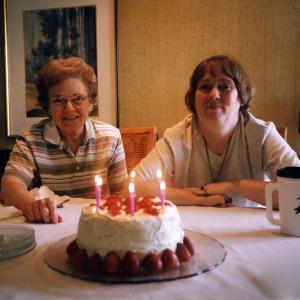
column 261, row 262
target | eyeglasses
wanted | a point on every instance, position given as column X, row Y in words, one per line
column 60, row 101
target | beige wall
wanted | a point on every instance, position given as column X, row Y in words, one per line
column 161, row 41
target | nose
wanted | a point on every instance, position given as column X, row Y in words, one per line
column 69, row 105
column 214, row 93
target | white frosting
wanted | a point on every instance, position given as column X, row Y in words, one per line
column 99, row 232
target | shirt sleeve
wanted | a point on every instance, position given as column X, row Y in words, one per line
column 160, row 157
column 21, row 163
column 277, row 153
column 117, row 171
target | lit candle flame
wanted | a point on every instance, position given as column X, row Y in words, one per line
column 98, row 180
column 131, row 187
column 159, row 174
column 163, row 186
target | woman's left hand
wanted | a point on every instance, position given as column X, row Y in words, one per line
column 219, row 188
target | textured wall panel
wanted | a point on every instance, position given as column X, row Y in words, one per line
column 161, row 41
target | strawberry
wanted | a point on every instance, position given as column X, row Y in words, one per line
column 72, row 248
column 94, row 263
column 169, row 259
column 131, row 263
column 182, row 252
column 189, row 245
column 79, row 259
column 152, row 263
column 111, row 263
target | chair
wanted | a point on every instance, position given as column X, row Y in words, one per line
column 4, row 156
column 283, row 131
column 137, row 144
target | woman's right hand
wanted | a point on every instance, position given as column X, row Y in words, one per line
column 43, row 210
column 15, row 193
column 213, row 200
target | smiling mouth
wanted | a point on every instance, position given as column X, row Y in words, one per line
column 70, row 119
column 214, row 107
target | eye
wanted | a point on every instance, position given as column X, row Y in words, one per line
column 77, row 99
column 58, row 101
column 225, row 86
column 204, row 87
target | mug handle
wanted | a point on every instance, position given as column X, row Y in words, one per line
column 271, row 187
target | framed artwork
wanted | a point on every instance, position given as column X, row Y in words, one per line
column 37, row 31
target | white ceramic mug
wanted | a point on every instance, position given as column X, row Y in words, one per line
column 288, row 187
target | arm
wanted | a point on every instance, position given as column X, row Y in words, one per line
column 19, row 173
column 250, row 189
column 146, row 181
column 276, row 154
column 15, row 193
column 176, row 195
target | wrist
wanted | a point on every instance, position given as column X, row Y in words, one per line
column 234, row 186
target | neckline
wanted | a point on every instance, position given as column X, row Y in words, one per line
column 217, row 177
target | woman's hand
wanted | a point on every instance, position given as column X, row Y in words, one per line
column 15, row 193
column 181, row 196
column 213, row 200
column 250, row 189
column 43, row 210
column 219, row 188
column 204, row 199
column 214, row 193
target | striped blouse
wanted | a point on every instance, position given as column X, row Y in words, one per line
column 40, row 157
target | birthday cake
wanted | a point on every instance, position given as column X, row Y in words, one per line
column 112, row 238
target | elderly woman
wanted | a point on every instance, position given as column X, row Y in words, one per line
column 219, row 153
column 66, row 151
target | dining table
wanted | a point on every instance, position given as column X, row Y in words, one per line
column 259, row 261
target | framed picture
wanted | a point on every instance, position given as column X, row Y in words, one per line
column 37, row 31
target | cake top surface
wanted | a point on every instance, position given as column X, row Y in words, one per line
column 117, row 206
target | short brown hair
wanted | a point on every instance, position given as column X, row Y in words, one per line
column 231, row 68
column 59, row 69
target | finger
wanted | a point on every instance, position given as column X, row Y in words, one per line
column 201, row 191
column 44, row 210
column 197, row 191
column 29, row 215
column 219, row 199
column 36, row 211
column 52, row 211
column 212, row 200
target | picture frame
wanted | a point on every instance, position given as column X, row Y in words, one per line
column 17, row 114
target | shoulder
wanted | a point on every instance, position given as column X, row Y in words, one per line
column 36, row 130
column 180, row 129
column 258, row 129
column 259, row 123
column 105, row 130
column 178, row 139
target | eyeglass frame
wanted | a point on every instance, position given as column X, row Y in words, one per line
column 66, row 100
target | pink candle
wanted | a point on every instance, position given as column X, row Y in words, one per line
column 132, row 196
column 162, row 193
column 98, row 181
